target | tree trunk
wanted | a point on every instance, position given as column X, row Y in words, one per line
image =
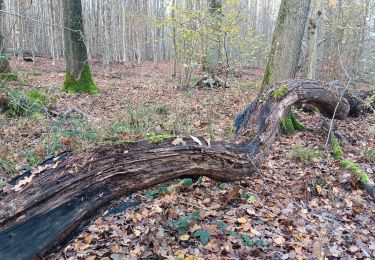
column 1, row 33
column 41, row 210
column 287, row 41
column 213, row 56
column 78, row 76
column 4, row 63
column 313, row 30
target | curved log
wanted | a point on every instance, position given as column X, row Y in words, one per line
column 40, row 211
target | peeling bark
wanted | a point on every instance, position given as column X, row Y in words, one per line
column 60, row 198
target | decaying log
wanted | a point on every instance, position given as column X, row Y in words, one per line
column 211, row 82
column 41, row 210
column 360, row 101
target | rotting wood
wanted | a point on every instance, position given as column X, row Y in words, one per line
column 42, row 210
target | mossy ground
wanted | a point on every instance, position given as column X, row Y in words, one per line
column 85, row 84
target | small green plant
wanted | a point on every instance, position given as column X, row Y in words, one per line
column 251, row 85
column 63, row 134
column 162, row 110
column 155, row 193
column 230, row 131
column 203, row 235
column 37, row 95
column 355, row 169
column 23, row 103
column 7, row 166
column 9, row 76
column 184, row 222
column 336, row 148
column 280, row 92
column 247, row 241
column 302, row 154
column 194, row 80
column 370, row 154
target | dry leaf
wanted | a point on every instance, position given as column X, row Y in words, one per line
column 242, row 220
column 88, row 239
column 332, row 2
column 195, row 139
column 178, row 141
column 116, row 249
column 184, row 237
column 318, row 189
column 279, row 240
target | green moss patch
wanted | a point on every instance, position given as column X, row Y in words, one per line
column 85, row 84
column 157, row 138
column 356, row 169
column 280, row 92
column 287, row 125
column 336, row 148
column 290, row 124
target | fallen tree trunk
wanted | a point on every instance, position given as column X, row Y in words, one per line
column 41, row 210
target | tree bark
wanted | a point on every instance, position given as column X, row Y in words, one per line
column 78, row 75
column 287, row 41
column 213, row 56
column 1, row 33
column 42, row 209
column 313, row 30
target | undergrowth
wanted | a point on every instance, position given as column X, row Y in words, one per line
column 355, row 169
column 7, row 166
column 370, row 154
column 62, row 134
column 151, row 123
column 302, row 154
column 24, row 103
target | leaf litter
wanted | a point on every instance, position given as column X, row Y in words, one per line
column 289, row 210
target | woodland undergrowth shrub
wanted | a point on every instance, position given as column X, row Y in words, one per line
column 370, row 154
column 302, row 154
column 9, row 76
column 7, row 166
column 144, row 122
column 62, row 135
column 24, row 103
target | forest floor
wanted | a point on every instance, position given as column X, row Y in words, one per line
column 301, row 204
